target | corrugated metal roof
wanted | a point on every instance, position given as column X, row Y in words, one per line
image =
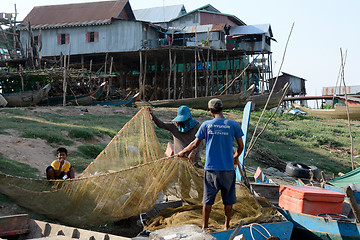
column 210, row 9
column 197, row 28
column 251, row 29
column 91, row 13
column 159, row 14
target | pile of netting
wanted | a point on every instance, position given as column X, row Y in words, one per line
column 126, row 179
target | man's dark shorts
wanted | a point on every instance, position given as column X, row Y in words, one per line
column 216, row 181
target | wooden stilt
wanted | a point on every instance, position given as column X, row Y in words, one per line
column 144, row 78
column 64, row 83
column 169, row 77
column 175, row 69
column 196, row 83
column 227, row 73
column 140, row 75
column 183, row 82
column 212, row 73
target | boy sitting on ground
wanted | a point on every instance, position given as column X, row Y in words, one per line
column 60, row 168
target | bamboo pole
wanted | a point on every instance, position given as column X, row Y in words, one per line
column 347, row 109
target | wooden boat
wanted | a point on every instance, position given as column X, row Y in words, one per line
column 86, row 99
column 282, row 230
column 339, row 112
column 259, row 100
column 128, row 103
column 351, row 179
column 3, row 101
column 229, row 101
column 22, row 227
column 26, row 98
column 318, row 227
column 306, row 226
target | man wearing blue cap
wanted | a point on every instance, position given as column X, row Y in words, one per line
column 219, row 134
column 183, row 128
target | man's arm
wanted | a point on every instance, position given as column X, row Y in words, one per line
column 239, row 149
column 157, row 121
column 194, row 144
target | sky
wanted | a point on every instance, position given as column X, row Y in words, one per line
column 321, row 29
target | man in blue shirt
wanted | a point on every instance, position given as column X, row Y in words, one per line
column 219, row 134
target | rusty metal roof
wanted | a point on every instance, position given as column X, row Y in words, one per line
column 77, row 14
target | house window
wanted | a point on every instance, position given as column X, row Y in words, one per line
column 92, row 37
column 37, row 40
column 63, row 38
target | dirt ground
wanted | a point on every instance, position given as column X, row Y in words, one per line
column 36, row 152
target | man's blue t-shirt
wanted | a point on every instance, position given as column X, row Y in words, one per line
column 219, row 134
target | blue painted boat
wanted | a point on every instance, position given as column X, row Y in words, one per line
column 317, row 227
column 341, row 190
column 282, row 230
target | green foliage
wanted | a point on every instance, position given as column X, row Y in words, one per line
column 325, row 140
column 81, row 133
column 91, row 151
column 48, row 135
column 15, row 168
column 295, row 133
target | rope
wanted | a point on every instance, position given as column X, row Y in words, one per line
column 256, row 224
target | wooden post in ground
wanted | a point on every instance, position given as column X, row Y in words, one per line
column 212, row 74
column 144, row 78
column 217, row 73
column 227, row 73
column 156, row 81
column 64, row 83
column 191, row 82
column 82, row 62
column 196, row 83
column 175, row 72
column 207, row 73
column 169, row 76
column 140, row 75
column 110, row 78
column 184, row 71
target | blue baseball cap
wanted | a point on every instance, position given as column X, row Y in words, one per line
column 183, row 114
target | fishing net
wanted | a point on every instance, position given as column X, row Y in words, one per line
column 126, row 179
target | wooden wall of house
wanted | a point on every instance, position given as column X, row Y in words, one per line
column 210, row 18
column 119, row 36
